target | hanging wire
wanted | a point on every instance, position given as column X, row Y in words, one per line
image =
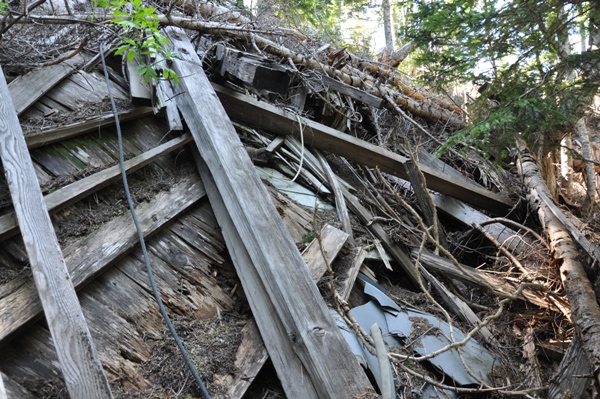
column 141, row 237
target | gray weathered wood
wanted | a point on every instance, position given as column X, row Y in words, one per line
column 307, row 325
column 41, row 138
column 331, row 242
column 252, row 353
column 27, row 89
column 348, row 90
column 91, row 255
column 9, row 389
column 437, row 264
column 67, row 195
column 258, row 73
column 274, row 335
column 79, row 361
column 419, row 186
column 346, row 282
column 275, row 120
column 139, row 91
column 574, row 375
column 340, row 202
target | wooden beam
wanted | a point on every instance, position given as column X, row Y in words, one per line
column 11, row 389
column 27, row 89
column 252, row 353
column 348, row 90
column 67, row 195
column 77, row 354
column 256, row 72
column 278, row 121
column 90, row 256
column 139, row 91
column 89, row 125
column 279, row 269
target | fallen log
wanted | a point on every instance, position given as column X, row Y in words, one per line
column 584, row 306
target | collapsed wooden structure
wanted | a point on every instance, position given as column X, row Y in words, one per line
column 207, row 210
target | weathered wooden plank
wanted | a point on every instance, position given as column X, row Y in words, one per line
column 331, row 242
column 308, row 326
column 350, row 91
column 574, row 376
column 76, row 351
column 255, row 72
column 139, row 91
column 91, row 255
column 467, row 215
column 67, row 195
column 443, row 266
column 252, row 353
column 11, row 389
column 346, row 282
column 27, row 89
column 273, row 333
column 275, row 120
column 76, row 129
column 55, row 162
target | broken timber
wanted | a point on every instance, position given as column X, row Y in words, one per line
column 275, row 120
column 77, row 354
column 275, row 265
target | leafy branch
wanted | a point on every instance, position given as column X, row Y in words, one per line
column 141, row 38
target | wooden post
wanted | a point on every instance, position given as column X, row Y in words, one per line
column 79, row 361
column 275, row 263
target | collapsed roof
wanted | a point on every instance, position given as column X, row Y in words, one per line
column 218, row 244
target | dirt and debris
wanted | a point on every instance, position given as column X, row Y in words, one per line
column 211, row 345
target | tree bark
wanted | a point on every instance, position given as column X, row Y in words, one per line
column 388, row 29
column 590, row 171
column 584, row 306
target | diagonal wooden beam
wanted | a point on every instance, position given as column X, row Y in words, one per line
column 76, row 352
column 276, row 263
column 275, row 120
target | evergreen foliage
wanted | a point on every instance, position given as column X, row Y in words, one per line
column 531, row 84
column 322, row 17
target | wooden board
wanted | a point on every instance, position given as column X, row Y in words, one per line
column 268, row 117
column 11, row 389
column 67, row 195
column 278, row 268
column 77, row 354
column 45, row 137
column 350, row 91
column 91, row 255
column 27, row 89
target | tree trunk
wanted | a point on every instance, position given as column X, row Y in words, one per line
column 584, row 307
column 566, row 166
column 590, row 172
column 388, row 29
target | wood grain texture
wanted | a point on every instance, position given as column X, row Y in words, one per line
column 308, row 326
column 91, row 255
column 11, row 389
column 50, row 136
column 67, row 195
column 27, row 89
column 77, row 354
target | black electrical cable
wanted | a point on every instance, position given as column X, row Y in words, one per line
column 141, row 236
